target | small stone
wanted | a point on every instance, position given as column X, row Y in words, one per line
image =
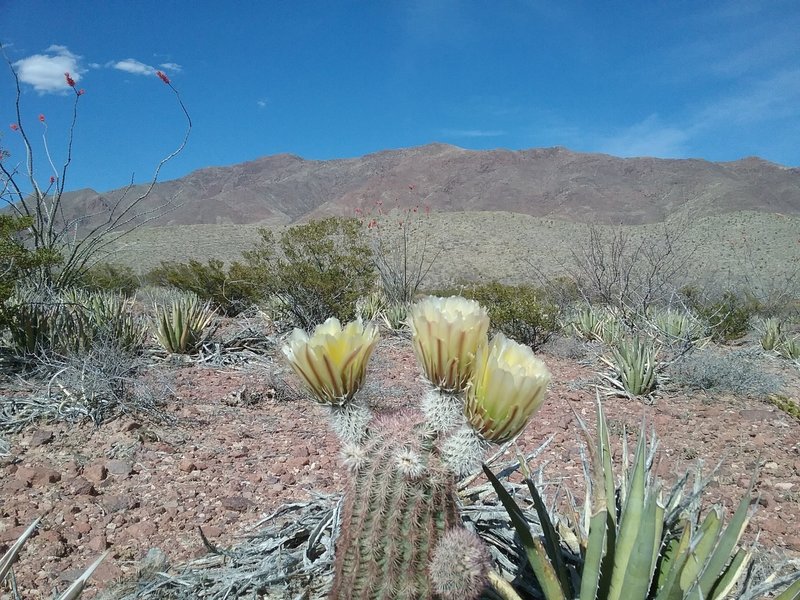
column 114, row 504
column 95, row 472
column 119, row 468
column 80, row 486
column 793, row 542
column 297, row 462
column 187, row 465
column 98, row 543
column 237, row 503
column 41, row 437
column 212, row 531
column 783, row 486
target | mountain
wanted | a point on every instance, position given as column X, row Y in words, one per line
column 547, row 182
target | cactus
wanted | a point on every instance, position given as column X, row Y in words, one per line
column 401, row 500
column 771, row 334
column 400, row 516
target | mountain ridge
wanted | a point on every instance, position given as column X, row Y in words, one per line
column 551, row 182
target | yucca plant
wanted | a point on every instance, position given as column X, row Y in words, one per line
column 180, row 326
column 634, row 365
column 771, row 334
column 632, row 544
column 73, row 591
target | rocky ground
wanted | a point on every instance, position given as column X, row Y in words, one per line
column 238, row 443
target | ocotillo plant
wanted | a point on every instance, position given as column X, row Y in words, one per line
column 401, row 530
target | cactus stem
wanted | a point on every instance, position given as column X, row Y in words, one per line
column 349, row 421
column 443, row 411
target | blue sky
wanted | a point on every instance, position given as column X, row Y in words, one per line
column 334, row 79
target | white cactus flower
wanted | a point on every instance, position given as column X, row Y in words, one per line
column 509, row 385
column 333, row 360
column 446, row 334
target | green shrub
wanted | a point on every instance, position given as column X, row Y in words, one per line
column 229, row 292
column 728, row 316
column 17, row 262
column 521, row 312
column 105, row 277
column 316, row 270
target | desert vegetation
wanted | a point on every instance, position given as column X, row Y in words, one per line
column 83, row 338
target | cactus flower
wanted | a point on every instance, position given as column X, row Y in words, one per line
column 446, row 334
column 333, row 360
column 508, row 387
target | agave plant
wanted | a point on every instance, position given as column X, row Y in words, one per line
column 677, row 326
column 634, row 362
column 180, row 326
column 789, row 348
column 630, row 543
column 593, row 323
column 108, row 315
column 394, row 316
column 771, row 334
column 41, row 321
column 369, row 307
column 73, row 591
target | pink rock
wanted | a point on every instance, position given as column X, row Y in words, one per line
column 186, row 465
column 95, row 472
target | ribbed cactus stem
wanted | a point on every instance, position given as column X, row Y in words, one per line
column 443, row 411
column 460, row 566
column 463, row 451
column 401, row 499
column 349, row 421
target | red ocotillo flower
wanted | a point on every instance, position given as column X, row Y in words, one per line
column 41, row 118
column 14, row 127
column 52, row 179
column 81, row 92
column 163, row 77
column 70, row 80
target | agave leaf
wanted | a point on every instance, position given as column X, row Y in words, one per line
column 537, row 556
column 790, row 593
column 731, row 574
column 74, row 591
column 702, row 545
column 714, row 569
column 552, row 541
column 11, row 555
column 671, row 566
column 590, row 577
column 627, row 567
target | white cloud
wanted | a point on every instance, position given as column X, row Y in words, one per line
column 45, row 72
column 473, row 133
column 171, row 66
column 131, row 65
column 262, row 103
column 649, row 137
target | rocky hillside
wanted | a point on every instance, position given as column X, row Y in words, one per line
column 546, row 182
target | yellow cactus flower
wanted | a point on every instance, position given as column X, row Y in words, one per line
column 332, row 361
column 508, row 387
column 446, row 334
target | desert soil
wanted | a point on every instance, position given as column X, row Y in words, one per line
column 236, row 451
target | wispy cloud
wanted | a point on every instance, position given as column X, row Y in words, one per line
column 131, row 65
column 649, row 137
column 473, row 133
column 171, row 66
column 45, row 72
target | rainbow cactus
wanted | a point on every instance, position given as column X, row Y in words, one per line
column 401, row 534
